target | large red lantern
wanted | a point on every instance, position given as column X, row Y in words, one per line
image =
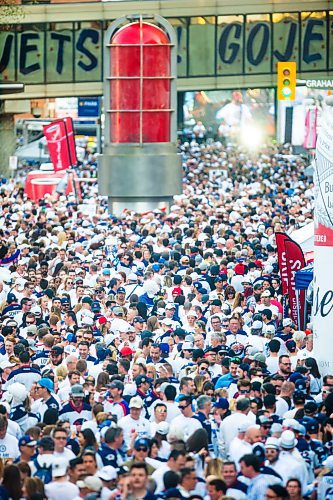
column 140, row 168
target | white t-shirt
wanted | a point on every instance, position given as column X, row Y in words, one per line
column 158, row 477
column 9, row 447
column 61, row 489
column 67, row 454
column 141, row 426
column 188, row 425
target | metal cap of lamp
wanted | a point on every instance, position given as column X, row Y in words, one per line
column 140, row 168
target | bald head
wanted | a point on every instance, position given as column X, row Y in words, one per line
column 253, row 434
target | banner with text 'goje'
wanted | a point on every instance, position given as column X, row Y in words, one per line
column 58, row 144
column 323, row 250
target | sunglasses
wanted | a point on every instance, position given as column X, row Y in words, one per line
column 236, row 360
column 142, row 448
column 183, row 407
column 244, row 391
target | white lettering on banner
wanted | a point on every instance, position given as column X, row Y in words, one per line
column 284, row 270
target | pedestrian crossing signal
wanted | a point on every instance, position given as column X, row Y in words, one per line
column 286, row 73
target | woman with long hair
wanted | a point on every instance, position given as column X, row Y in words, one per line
column 315, row 377
column 33, row 488
column 199, row 381
column 214, row 468
column 151, row 371
column 10, row 487
column 103, row 379
column 229, row 295
column 87, row 441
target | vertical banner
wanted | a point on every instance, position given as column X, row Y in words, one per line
column 71, row 140
column 310, row 128
column 57, row 143
column 295, row 261
column 323, row 250
column 280, row 238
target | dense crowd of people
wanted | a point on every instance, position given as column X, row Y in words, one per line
column 151, row 356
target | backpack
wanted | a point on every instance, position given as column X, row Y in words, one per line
column 44, row 473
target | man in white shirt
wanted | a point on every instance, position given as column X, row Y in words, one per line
column 288, row 465
column 60, row 487
column 185, row 421
column 8, row 444
column 242, row 444
column 60, row 437
column 176, row 462
column 230, row 425
column 135, row 422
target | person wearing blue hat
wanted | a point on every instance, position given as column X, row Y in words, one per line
column 27, row 446
column 44, row 389
column 140, row 453
column 121, row 296
column 143, row 384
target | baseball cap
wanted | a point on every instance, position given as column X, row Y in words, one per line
column 138, row 319
column 59, row 466
column 11, row 298
column 57, row 349
column 141, row 379
column 266, row 293
column 259, row 451
column 126, row 351
column 27, row 440
column 107, row 473
column 222, row 403
column 121, row 289
column 77, row 391
column 162, row 428
column 141, row 442
column 118, row 311
column 46, row 383
column 291, row 345
column 287, row 322
column 136, row 402
column 257, row 325
column 116, row 384
column 92, row 483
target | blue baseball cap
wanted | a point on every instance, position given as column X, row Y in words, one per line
column 222, row 403
column 141, row 442
column 27, row 441
column 121, row 290
column 46, row 383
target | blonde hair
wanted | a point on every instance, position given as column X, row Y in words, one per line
column 61, row 372
column 151, row 367
column 62, row 237
column 214, row 468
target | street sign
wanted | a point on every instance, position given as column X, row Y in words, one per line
column 319, row 83
column 89, row 107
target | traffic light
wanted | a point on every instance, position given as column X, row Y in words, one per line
column 286, row 73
